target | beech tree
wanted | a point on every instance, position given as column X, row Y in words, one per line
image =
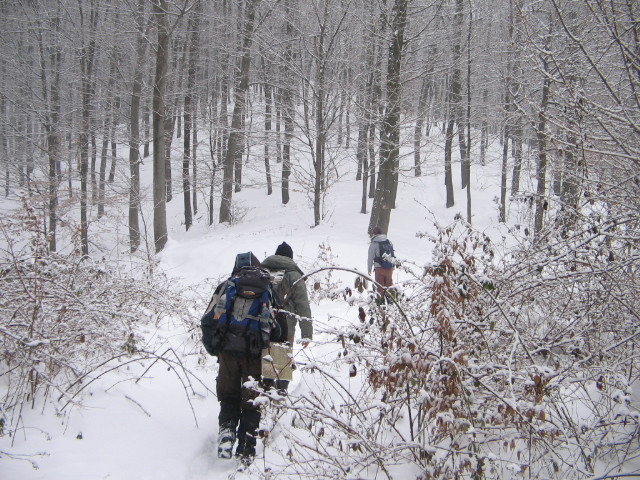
column 142, row 28
column 287, row 97
column 268, row 116
column 455, row 107
column 321, row 94
column 236, row 134
column 386, row 186
column 161, row 14
column 189, row 114
column 87, row 59
column 368, row 101
column 50, row 53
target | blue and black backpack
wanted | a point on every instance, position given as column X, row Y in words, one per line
column 386, row 257
column 239, row 318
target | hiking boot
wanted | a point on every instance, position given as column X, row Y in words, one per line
column 246, row 455
column 282, row 387
column 247, row 460
column 226, row 439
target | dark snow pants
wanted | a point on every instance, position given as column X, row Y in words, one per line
column 237, row 411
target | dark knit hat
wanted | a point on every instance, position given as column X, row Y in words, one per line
column 377, row 230
column 285, row 250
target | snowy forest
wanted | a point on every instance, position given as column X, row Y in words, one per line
column 496, row 141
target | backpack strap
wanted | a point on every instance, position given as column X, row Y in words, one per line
column 280, row 296
column 229, row 310
column 378, row 257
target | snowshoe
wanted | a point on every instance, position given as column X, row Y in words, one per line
column 226, row 439
column 246, row 460
column 245, row 453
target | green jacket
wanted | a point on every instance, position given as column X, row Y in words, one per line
column 298, row 300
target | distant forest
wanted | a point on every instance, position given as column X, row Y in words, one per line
column 85, row 84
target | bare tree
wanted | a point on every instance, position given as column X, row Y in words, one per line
column 322, row 107
column 541, row 133
column 512, row 109
column 109, row 122
column 159, row 110
column 287, row 98
column 268, row 115
column 235, row 135
column 51, row 55
column 134, row 126
column 417, row 132
column 189, row 110
column 87, row 59
column 457, row 94
column 386, row 185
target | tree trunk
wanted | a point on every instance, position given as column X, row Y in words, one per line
column 51, row 97
column 168, row 141
column 570, row 192
column 94, row 154
column 235, row 135
column 319, row 93
column 4, row 141
column 240, row 146
column 277, row 109
column 107, row 130
column 378, row 33
column 342, row 107
column 194, row 158
column 288, row 109
column 386, row 185
column 86, row 66
column 134, row 129
column 541, row 134
column 363, row 164
column 503, row 176
column 267, row 130
column 361, row 147
column 514, row 91
column 114, row 145
column 102, row 175
column 467, row 166
column 159, row 137
column 193, row 27
column 456, row 91
column 215, row 144
column 171, row 116
column 224, row 116
column 448, row 173
column 517, row 158
column 147, row 129
column 371, row 142
column 484, row 128
column 417, row 132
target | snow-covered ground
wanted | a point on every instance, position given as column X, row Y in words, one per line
column 164, row 426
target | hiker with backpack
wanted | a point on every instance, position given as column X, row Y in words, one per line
column 237, row 325
column 285, row 272
column 381, row 258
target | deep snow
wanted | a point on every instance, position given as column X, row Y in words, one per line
column 155, row 429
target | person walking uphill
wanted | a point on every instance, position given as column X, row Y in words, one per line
column 285, row 273
column 381, row 259
column 236, row 326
